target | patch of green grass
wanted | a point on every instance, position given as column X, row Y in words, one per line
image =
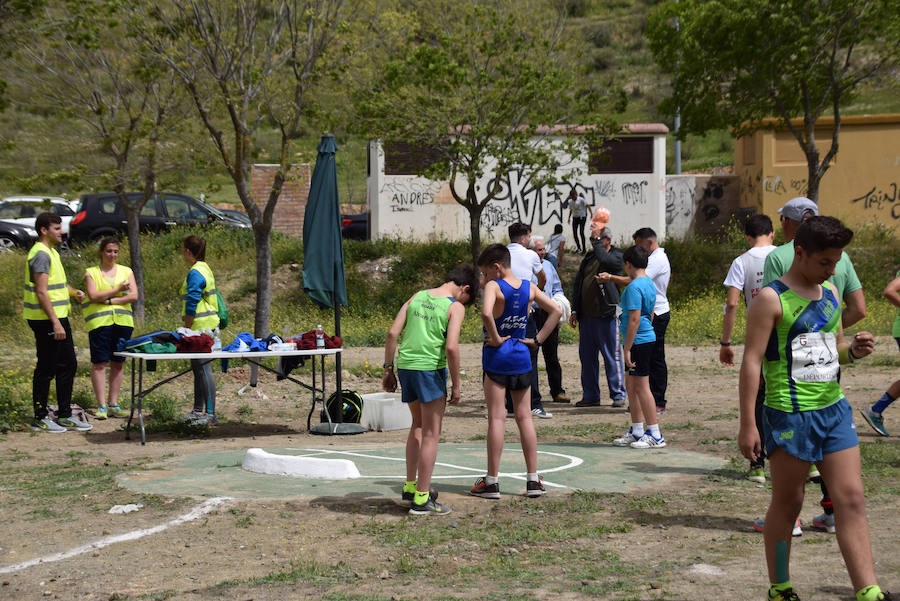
column 880, row 465
column 302, row 571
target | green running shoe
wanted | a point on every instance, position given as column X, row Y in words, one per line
column 876, row 421
column 101, row 412
column 118, row 411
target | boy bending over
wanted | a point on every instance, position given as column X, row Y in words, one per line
column 427, row 327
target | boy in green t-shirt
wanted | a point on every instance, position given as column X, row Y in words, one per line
column 427, row 329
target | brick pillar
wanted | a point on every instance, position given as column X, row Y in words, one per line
column 291, row 206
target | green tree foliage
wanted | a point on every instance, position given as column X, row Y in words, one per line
column 246, row 63
column 736, row 62
column 475, row 84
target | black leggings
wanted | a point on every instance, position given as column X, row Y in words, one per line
column 578, row 231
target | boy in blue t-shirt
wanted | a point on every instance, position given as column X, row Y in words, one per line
column 638, row 339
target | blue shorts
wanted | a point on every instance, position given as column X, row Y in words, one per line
column 104, row 341
column 808, row 435
column 641, row 355
column 423, row 386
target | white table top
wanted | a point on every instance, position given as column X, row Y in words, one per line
column 230, row 354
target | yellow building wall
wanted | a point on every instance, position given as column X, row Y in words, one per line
column 860, row 186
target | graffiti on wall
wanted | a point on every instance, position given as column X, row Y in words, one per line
column 774, row 184
column 881, row 199
column 520, row 199
column 406, row 195
column 679, row 203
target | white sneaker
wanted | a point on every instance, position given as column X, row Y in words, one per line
column 825, row 522
column 626, row 440
column 647, row 441
column 541, row 413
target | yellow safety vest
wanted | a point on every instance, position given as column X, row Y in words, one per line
column 56, row 286
column 207, row 315
column 97, row 315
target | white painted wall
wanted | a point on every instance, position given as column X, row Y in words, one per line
column 414, row 207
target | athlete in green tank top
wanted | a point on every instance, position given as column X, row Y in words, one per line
column 422, row 346
column 801, row 361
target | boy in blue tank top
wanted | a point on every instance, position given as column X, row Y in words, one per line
column 506, row 360
column 794, row 335
column 427, row 331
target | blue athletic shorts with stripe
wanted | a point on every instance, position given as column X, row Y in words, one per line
column 424, row 386
column 808, row 435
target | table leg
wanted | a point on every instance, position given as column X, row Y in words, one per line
column 131, row 415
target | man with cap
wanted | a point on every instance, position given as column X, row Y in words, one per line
column 594, row 311
column 849, row 289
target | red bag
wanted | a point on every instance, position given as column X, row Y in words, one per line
column 195, row 344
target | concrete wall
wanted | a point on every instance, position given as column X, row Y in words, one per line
column 860, row 186
column 291, row 206
column 702, row 204
column 414, row 207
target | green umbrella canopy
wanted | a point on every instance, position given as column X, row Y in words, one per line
column 323, row 249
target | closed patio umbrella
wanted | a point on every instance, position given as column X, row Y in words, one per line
column 323, row 259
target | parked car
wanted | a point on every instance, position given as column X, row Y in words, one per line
column 101, row 214
column 25, row 209
column 355, row 227
column 16, row 235
column 236, row 215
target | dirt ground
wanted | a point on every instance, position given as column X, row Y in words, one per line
column 691, row 540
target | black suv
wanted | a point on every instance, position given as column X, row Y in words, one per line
column 101, row 215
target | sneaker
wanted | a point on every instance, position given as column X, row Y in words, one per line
column 824, row 522
column 588, row 403
column 118, row 411
column 211, row 419
column 535, row 488
column 618, row 403
column 660, row 409
column 70, row 423
column 47, row 425
column 101, row 412
column 540, row 412
column 648, row 441
column 626, row 440
column 485, row 491
column 196, row 418
column 561, row 398
column 760, row 525
column 757, row 474
column 876, row 421
column 787, row 594
column 406, row 498
column 430, row 507
column 813, row 473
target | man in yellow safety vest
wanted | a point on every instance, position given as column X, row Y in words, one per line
column 46, row 308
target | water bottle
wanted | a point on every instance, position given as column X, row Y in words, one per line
column 217, row 342
column 320, row 338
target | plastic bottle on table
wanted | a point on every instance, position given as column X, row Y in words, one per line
column 320, row 338
column 217, row 342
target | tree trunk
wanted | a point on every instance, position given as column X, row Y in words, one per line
column 133, row 226
column 262, row 239
column 475, row 230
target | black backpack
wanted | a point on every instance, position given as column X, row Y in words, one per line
column 351, row 407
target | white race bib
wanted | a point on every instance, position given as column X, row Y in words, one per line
column 814, row 357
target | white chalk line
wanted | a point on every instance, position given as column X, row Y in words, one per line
column 572, row 462
column 193, row 514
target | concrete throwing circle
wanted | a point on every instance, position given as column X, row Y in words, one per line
column 599, row 468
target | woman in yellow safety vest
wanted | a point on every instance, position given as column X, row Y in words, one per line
column 200, row 311
column 107, row 314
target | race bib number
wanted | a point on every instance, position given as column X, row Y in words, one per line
column 814, row 357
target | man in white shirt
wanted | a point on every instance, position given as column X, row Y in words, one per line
column 549, row 348
column 658, row 270
column 746, row 275
column 525, row 263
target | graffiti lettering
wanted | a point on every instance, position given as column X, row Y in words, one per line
column 799, row 185
column 880, row 199
column 605, row 188
column 633, row 192
column 774, row 184
column 679, row 200
column 407, row 195
column 497, row 217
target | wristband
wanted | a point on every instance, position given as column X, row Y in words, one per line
column 536, row 343
column 850, row 353
column 387, row 365
column 723, row 343
column 109, row 301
